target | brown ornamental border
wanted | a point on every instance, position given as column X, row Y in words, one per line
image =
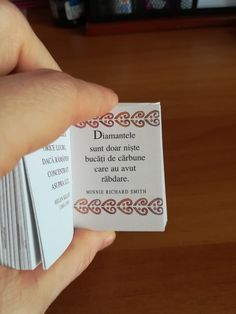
column 125, row 119
column 127, row 206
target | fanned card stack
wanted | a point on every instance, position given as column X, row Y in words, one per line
column 103, row 174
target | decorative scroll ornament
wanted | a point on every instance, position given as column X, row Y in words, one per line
column 126, row 206
column 125, row 119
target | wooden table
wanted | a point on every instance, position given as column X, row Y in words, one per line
column 190, row 268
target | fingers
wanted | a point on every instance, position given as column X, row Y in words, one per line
column 38, row 106
column 75, row 260
column 27, row 291
column 21, row 50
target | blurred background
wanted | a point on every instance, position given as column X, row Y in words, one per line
column 150, row 14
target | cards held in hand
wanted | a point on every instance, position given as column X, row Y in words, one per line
column 103, row 174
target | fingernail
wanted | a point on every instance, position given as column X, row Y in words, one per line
column 108, row 240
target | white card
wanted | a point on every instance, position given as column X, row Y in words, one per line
column 118, row 172
column 49, row 176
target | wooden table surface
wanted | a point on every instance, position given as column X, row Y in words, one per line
column 190, row 268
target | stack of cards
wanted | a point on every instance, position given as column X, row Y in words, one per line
column 103, row 174
column 18, row 237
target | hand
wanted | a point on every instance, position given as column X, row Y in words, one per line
column 38, row 103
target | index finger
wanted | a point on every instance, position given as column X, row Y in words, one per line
column 21, row 50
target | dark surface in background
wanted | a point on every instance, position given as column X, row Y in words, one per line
column 116, row 10
column 190, row 268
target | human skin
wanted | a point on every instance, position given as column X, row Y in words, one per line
column 38, row 103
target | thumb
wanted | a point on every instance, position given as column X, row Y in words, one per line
column 38, row 106
column 75, row 260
